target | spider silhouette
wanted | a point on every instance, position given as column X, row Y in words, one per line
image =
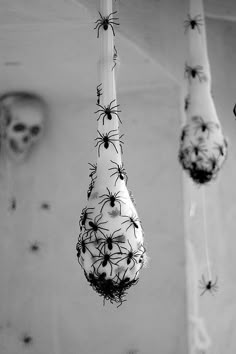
column 34, row 247
column 193, row 22
column 111, row 198
column 105, row 259
column 219, row 148
column 90, row 188
column 195, row 72
column 197, row 149
column 106, row 140
column 108, row 111
column 208, row 286
column 132, row 222
column 93, row 169
column 109, row 241
column 184, row 133
column 120, row 172
column 115, row 56
column 186, row 102
column 27, row 339
column 96, row 226
column 99, row 93
column 204, row 126
column 105, row 22
column 85, row 216
column 132, row 257
column 82, row 245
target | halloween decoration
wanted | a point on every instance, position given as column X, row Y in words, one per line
column 203, row 148
column 22, row 116
column 110, row 246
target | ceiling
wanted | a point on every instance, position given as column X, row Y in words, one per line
column 49, row 46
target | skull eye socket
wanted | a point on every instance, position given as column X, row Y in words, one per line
column 19, row 127
column 35, row 130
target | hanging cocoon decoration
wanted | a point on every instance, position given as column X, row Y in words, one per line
column 110, row 246
column 203, row 148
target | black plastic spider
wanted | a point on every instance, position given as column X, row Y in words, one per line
column 108, row 111
column 85, row 216
column 106, row 140
column 219, row 148
column 197, row 148
column 105, row 259
column 193, row 72
column 34, row 247
column 111, row 198
column 208, row 286
column 99, row 93
column 132, row 222
column 82, row 245
column 193, row 22
column 90, row 188
column 105, row 22
column 186, row 102
column 93, row 169
column 110, row 241
column 95, row 226
column 119, row 172
column 132, row 256
column 184, row 133
column 115, row 56
column 13, row 204
column 27, row 339
column 204, row 126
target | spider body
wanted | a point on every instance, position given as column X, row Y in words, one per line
column 193, row 22
column 111, row 198
column 208, row 286
column 110, row 241
column 105, row 259
column 96, row 226
column 195, row 72
column 133, row 257
column 99, row 93
column 105, row 22
column 107, row 139
column 85, row 216
column 197, row 149
column 186, row 102
column 119, row 172
column 108, row 111
column 204, row 126
column 132, row 222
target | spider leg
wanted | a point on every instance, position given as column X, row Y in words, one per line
column 114, row 146
column 105, row 202
column 203, row 292
column 112, row 28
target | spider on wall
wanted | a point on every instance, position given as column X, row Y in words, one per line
column 105, row 22
column 208, row 286
column 193, row 22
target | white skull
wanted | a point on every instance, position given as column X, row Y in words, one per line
column 24, row 117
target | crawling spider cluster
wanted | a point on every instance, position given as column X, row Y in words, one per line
column 203, row 149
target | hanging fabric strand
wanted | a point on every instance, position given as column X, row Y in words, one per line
column 110, row 246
